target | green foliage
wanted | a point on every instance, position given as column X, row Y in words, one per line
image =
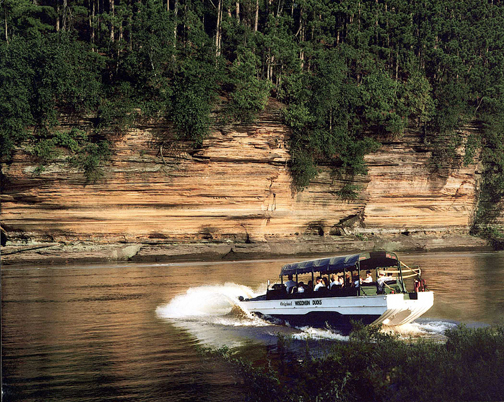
column 418, row 98
column 491, row 198
column 377, row 366
column 303, row 168
column 350, row 73
column 322, row 114
column 39, row 76
column 249, row 94
column 90, row 157
column 193, row 96
column 147, row 64
column 382, row 102
column 117, row 111
column 349, row 192
column 74, row 147
column 472, row 147
column 16, row 114
column 27, row 17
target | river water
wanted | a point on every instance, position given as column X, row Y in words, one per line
column 134, row 331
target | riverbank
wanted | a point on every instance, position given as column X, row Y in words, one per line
column 89, row 252
column 378, row 366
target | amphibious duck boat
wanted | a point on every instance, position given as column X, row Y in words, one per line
column 381, row 298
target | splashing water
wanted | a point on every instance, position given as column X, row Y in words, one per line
column 308, row 333
column 422, row 329
column 212, row 315
column 209, row 303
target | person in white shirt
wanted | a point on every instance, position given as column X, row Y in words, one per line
column 335, row 281
column 290, row 284
column 369, row 277
column 320, row 284
column 381, row 281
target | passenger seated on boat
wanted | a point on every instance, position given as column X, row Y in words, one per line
column 277, row 291
column 380, row 282
column 356, row 281
column 336, row 282
column 369, row 277
column 290, row 284
column 320, row 284
column 301, row 287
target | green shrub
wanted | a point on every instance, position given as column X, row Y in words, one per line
column 77, row 148
column 378, row 366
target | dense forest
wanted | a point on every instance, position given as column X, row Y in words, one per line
column 348, row 71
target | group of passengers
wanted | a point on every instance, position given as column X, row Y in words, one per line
column 336, row 281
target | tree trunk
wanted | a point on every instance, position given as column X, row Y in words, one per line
column 279, row 8
column 271, row 61
column 397, row 67
column 302, row 32
column 218, row 30
column 130, row 33
column 65, row 13
column 112, row 11
column 91, row 25
column 175, row 12
column 121, row 33
column 268, row 63
column 256, row 24
column 57, row 16
column 6, row 30
column 238, row 11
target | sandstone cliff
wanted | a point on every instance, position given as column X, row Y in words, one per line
column 231, row 197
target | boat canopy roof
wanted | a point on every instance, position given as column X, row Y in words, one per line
column 368, row 261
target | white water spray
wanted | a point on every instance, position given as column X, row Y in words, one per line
column 212, row 303
column 309, row 333
column 421, row 329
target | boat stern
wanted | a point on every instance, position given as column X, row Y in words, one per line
column 402, row 310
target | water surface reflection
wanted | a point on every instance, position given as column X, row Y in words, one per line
column 132, row 331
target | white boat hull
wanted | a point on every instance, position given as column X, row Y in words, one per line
column 389, row 309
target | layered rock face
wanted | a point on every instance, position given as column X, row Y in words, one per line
column 236, row 189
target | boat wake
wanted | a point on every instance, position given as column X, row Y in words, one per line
column 310, row 333
column 211, row 314
column 213, row 304
column 422, row 328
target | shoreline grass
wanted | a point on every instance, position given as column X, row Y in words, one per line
column 378, row 366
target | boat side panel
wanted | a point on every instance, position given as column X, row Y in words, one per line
column 348, row 306
column 323, row 319
column 391, row 309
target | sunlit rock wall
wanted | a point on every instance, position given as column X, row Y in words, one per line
column 236, row 188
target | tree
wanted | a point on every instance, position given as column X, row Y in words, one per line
column 249, row 94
